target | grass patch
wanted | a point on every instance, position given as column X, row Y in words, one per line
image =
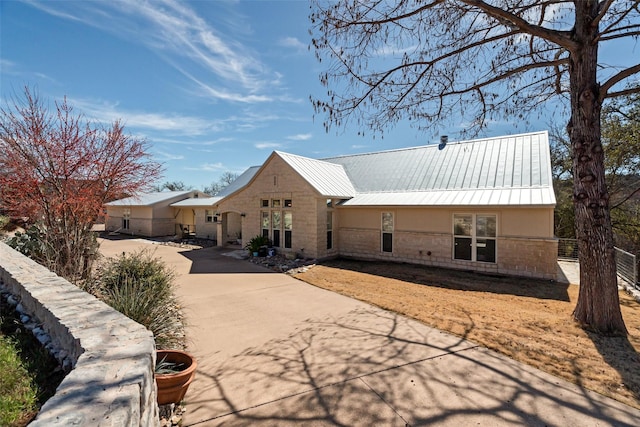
column 528, row 320
column 17, row 391
column 29, row 375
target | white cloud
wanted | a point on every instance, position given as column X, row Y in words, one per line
column 168, row 156
column 176, row 32
column 207, row 167
column 267, row 145
column 300, row 137
column 108, row 113
column 292, row 42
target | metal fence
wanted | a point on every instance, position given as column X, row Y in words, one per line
column 568, row 249
column 627, row 267
column 626, row 263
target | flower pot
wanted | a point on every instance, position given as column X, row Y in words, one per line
column 172, row 387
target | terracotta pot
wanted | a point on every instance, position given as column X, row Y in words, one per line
column 172, row 387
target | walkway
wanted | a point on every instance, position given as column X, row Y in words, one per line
column 274, row 351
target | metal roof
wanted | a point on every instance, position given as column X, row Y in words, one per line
column 478, row 197
column 239, row 182
column 329, row 179
column 513, row 170
column 150, row 199
column 196, row 202
column 505, row 170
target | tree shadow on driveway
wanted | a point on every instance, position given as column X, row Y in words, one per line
column 372, row 367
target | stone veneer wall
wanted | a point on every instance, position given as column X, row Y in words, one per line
column 111, row 358
column 527, row 257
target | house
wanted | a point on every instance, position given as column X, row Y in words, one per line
column 484, row 205
column 152, row 215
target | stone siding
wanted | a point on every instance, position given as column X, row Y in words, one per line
column 515, row 256
column 528, row 257
column 112, row 358
column 277, row 180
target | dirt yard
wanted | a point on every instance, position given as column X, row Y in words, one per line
column 528, row 320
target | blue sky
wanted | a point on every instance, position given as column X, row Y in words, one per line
column 214, row 86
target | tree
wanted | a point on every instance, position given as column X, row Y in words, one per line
column 172, row 186
column 58, row 169
column 428, row 60
column 621, row 145
column 217, row 186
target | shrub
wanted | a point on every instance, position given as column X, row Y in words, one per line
column 257, row 242
column 29, row 243
column 142, row 288
column 4, row 222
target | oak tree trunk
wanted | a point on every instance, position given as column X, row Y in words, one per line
column 598, row 306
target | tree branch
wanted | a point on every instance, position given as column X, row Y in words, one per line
column 561, row 38
column 604, row 88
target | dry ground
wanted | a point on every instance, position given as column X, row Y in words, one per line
column 528, row 320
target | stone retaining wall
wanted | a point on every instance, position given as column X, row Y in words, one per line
column 110, row 357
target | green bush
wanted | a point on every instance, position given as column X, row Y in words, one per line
column 4, row 221
column 29, row 243
column 257, row 242
column 142, row 288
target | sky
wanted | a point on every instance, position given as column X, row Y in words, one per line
column 213, row 86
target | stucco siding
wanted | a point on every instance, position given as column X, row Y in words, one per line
column 533, row 222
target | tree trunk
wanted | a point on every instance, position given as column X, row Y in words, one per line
column 598, row 306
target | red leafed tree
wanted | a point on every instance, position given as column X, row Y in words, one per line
column 58, row 169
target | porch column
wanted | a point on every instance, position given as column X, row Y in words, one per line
column 219, row 230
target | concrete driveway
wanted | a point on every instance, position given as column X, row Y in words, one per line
column 274, row 351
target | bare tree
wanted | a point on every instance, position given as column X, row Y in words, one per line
column 172, row 186
column 225, row 179
column 430, row 60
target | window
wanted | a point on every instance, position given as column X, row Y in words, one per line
column 276, row 215
column 329, row 230
column 329, row 203
column 275, row 203
column 126, row 217
column 474, row 237
column 265, row 223
column 288, row 226
column 287, row 203
column 387, row 231
column 264, row 203
column 208, row 216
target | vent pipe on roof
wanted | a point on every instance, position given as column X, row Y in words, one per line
column 443, row 142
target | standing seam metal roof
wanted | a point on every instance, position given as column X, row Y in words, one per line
column 149, row 199
column 329, row 179
column 506, row 170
